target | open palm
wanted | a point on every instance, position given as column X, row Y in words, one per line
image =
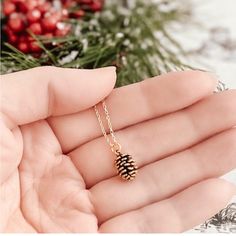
column 57, row 172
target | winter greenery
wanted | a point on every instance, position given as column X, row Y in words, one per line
column 132, row 35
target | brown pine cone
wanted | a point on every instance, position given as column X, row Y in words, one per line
column 126, row 166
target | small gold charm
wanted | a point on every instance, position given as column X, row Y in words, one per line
column 126, row 166
column 124, row 163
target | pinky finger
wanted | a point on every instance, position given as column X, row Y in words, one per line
column 179, row 213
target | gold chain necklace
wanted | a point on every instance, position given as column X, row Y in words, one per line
column 124, row 163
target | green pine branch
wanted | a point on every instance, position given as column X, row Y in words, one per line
column 134, row 39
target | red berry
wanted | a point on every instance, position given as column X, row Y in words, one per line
column 29, row 38
column 34, row 47
column 49, row 24
column 12, row 38
column 18, row 1
column 79, row 13
column 48, row 35
column 35, row 28
column 96, row 6
column 22, row 38
column 86, row 1
column 69, row 3
column 8, row 7
column 27, row 5
column 50, row 21
column 15, row 22
column 44, row 7
column 33, row 15
column 62, row 29
column 23, row 46
column 64, row 13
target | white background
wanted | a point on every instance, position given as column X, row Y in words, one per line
column 215, row 13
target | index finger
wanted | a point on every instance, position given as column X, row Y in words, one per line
column 38, row 93
column 135, row 103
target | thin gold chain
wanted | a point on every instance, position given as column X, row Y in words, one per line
column 114, row 144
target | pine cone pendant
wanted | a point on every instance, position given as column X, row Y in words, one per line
column 126, row 166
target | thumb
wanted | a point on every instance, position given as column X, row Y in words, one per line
column 41, row 92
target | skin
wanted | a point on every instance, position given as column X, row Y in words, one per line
column 57, row 171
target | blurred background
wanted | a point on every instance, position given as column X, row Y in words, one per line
column 216, row 44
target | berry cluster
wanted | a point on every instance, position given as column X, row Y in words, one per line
column 42, row 17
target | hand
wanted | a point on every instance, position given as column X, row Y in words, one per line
column 57, row 171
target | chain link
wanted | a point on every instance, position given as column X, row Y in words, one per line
column 114, row 144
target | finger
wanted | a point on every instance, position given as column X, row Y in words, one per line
column 37, row 93
column 179, row 213
column 135, row 103
column 163, row 178
column 152, row 140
